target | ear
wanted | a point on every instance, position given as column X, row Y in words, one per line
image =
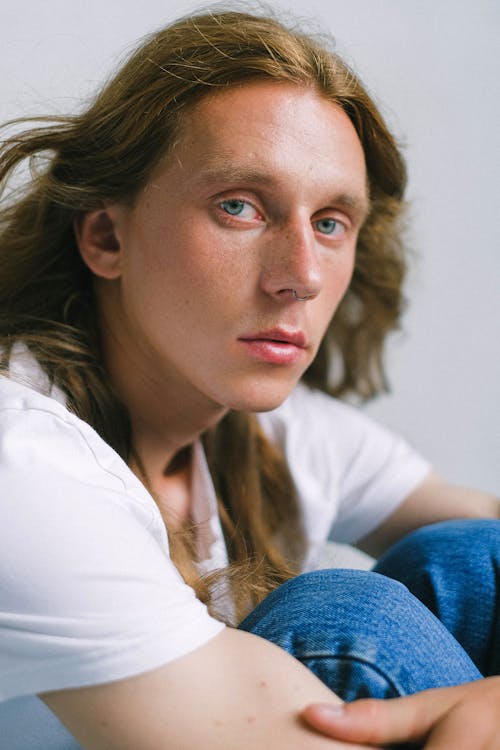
column 97, row 240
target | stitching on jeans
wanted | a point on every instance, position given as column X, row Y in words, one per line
column 357, row 659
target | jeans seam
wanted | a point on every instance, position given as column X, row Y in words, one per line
column 358, row 660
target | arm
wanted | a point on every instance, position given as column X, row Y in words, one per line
column 238, row 690
column 432, row 501
column 90, row 597
column 462, row 717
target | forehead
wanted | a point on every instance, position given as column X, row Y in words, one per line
column 269, row 131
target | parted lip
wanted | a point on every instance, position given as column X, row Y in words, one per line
column 280, row 335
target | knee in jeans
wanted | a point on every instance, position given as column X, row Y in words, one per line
column 471, row 536
column 334, row 584
column 340, row 600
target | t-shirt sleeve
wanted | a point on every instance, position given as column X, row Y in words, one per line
column 377, row 470
column 350, row 473
column 88, row 593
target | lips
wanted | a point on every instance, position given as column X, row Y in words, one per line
column 275, row 346
column 279, row 336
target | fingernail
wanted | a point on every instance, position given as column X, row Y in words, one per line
column 330, row 709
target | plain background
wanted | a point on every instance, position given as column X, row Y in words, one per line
column 432, row 66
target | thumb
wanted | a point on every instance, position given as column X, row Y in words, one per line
column 368, row 721
column 376, row 722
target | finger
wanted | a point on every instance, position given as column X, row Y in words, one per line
column 368, row 721
column 468, row 724
column 380, row 721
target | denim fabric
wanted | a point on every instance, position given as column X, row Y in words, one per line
column 361, row 632
column 454, row 568
column 364, row 635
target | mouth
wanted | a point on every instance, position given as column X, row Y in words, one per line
column 278, row 336
column 276, row 346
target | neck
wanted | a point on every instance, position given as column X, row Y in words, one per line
column 166, row 413
column 160, row 435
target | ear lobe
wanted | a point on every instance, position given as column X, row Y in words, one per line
column 98, row 243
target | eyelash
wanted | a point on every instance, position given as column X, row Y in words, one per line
column 242, row 202
column 336, row 222
column 236, row 201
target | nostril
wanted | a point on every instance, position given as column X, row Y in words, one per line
column 300, row 299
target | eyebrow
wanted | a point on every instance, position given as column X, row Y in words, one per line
column 221, row 172
column 229, row 173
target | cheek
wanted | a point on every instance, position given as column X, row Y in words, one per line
column 339, row 275
column 345, row 278
column 221, row 265
column 172, row 260
column 335, row 286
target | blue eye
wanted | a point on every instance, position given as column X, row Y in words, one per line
column 241, row 209
column 233, row 206
column 327, row 226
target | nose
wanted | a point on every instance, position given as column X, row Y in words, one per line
column 291, row 267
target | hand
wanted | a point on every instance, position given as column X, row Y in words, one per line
column 466, row 717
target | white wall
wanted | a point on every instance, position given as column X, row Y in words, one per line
column 433, row 67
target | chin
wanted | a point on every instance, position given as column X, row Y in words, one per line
column 260, row 397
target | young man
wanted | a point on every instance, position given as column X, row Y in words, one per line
column 198, row 241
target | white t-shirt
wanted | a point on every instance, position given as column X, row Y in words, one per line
column 88, row 593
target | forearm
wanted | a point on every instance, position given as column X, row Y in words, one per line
column 432, row 501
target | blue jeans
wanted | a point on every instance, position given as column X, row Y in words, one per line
column 363, row 633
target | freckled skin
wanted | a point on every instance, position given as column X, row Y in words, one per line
column 205, row 261
column 224, row 708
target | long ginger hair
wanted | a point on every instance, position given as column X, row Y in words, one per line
column 105, row 155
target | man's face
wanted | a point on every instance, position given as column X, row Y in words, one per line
column 264, row 193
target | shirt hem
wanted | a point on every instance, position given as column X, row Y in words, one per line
column 119, row 665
